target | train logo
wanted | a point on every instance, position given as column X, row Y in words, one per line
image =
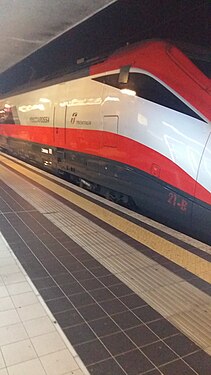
column 73, row 117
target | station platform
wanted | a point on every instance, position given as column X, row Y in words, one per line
column 89, row 287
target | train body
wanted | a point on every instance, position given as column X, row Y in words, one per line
column 135, row 127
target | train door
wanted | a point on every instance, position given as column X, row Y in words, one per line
column 114, row 107
column 110, row 130
column 59, row 125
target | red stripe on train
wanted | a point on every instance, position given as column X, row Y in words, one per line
column 114, row 147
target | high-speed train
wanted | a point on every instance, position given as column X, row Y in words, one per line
column 135, row 128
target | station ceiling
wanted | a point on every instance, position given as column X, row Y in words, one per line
column 40, row 39
column 28, row 25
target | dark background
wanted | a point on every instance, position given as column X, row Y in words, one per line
column 185, row 22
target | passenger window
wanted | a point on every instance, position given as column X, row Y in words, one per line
column 148, row 88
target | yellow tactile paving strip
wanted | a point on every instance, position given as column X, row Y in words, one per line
column 193, row 263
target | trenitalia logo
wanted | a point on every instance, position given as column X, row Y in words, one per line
column 73, row 118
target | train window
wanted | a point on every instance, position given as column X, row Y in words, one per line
column 148, row 88
column 111, row 80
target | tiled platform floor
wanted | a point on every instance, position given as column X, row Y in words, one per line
column 31, row 342
column 113, row 330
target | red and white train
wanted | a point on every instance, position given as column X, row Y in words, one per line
column 133, row 127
